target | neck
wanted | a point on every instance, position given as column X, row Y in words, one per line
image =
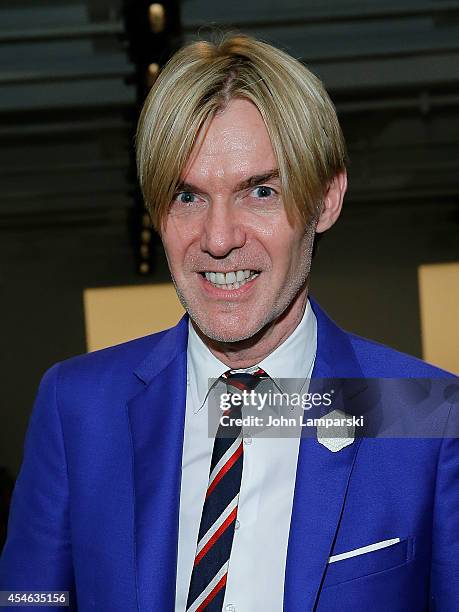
column 246, row 353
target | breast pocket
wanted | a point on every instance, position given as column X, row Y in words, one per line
column 367, row 560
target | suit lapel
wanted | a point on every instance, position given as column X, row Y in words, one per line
column 321, row 482
column 156, row 417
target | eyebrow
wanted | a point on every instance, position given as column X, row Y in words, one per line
column 251, row 181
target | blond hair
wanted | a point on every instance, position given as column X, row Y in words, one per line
column 201, row 79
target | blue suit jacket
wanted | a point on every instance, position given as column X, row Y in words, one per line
column 95, row 507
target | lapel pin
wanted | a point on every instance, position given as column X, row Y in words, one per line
column 335, row 434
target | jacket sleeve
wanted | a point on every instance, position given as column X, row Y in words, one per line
column 37, row 554
column 445, row 533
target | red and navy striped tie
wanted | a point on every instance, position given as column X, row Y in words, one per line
column 216, row 531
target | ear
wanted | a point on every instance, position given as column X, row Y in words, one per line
column 333, row 202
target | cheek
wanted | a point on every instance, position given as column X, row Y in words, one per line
column 265, row 226
column 293, row 253
column 188, row 229
column 177, row 239
column 174, row 255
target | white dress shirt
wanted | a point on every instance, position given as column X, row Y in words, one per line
column 256, row 570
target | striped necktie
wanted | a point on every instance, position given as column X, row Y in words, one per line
column 216, row 531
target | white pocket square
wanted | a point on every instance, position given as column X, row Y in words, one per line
column 363, row 550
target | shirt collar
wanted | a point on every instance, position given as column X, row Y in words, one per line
column 202, row 366
column 293, row 359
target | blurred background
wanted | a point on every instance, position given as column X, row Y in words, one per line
column 73, row 74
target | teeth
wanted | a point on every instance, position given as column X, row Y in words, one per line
column 230, row 280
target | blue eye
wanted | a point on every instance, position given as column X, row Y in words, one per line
column 186, row 197
column 264, row 192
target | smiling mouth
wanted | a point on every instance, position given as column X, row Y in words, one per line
column 230, row 280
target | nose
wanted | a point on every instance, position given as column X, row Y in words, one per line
column 222, row 230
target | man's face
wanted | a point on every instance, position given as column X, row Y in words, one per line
column 235, row 260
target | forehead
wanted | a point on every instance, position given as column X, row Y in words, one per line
column 236, row 141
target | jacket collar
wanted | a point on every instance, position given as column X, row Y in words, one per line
column 335, row 356
column 171, row 343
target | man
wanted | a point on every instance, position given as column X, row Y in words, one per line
column 121, row 496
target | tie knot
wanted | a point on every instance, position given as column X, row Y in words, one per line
column 244, row 381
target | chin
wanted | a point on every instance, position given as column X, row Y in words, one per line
column 223, row 335
column 229, row 325
column 227, row 330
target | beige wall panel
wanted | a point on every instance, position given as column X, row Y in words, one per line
column 439, row 303
column 118, row 314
